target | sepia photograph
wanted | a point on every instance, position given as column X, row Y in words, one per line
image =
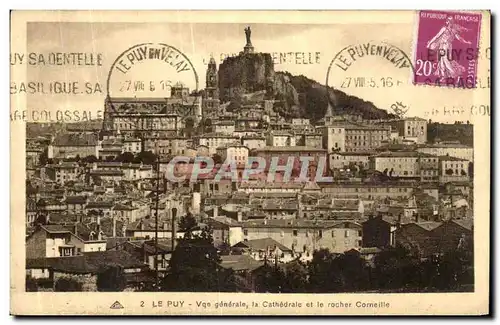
column 329, row 156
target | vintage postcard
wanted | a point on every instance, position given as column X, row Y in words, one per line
column 250, row 163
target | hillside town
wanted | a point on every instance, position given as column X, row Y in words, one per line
column 112, row 199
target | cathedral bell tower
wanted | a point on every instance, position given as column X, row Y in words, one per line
column 211, row 96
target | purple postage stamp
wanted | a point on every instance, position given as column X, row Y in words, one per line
column 447, row 48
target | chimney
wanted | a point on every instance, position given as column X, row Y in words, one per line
column 240, row 216
column 265, row 221
column 196, row 203
column 98, row 227
column 416, row 217
column 124, row 228
column 114, row 226
column 400, row 217
column 76, row 229
column 165, row 226
column 174, row 231
column 216, row 211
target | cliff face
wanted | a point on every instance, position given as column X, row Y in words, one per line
column 245, row 73
column 296, row 96
column 313, row 100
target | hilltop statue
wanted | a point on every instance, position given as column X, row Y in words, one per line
column 248, row 33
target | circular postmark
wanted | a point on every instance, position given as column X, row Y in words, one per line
column 376, row 72
column 151, row 86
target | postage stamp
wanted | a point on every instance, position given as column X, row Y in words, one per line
column 447, row 48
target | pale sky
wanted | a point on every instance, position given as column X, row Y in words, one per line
column 199, row 41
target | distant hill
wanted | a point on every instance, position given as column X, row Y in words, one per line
column 34, row 129
column 313, row 100
column 451, row 132
column 296, row 96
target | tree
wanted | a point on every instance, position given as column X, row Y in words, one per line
column 217, row 159
column 43, row 159
column 111, row 278
column 90, row 159
column 397, row 268
column 187, row 222
column 321, row 278
column 30, row 189
column 67, row 285
column 353, row 272
column 449, row 171
column 145, row 157
column 31, row 284
column 295, row 279
column 269, row 278
column 194, row 267
column 126, row 157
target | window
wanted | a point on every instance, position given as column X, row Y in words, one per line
column 320, row 233
column 346, row 234
column 295, row 232
column 333, row 233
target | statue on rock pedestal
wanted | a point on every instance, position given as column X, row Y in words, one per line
column 248, row 33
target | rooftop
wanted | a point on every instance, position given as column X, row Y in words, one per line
column 297, row 223
column 262, row 245
column 291, row 149
column 240, row 262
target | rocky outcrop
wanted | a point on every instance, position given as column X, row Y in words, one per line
column 296, row 96
column 246, row 73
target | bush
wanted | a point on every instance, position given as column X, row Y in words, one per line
column 31, row 284
column 67, row 285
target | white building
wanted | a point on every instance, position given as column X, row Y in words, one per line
column 457, row 150
column 453, row 169
column 234, row 152
column 280, row 139
column 214, row 140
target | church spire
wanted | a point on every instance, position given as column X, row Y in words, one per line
column 329, row 110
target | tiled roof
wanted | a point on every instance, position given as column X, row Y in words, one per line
column 359, row 153
column 262, row 244
column 115, row 242
column 240, row 262
column 99, row 204
column 285, row 223
column 465, row 223
column 429, row 225
column 225, row 220
column 291, row 149
column 451, row 158
column 76, row 199
column 55, row 229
